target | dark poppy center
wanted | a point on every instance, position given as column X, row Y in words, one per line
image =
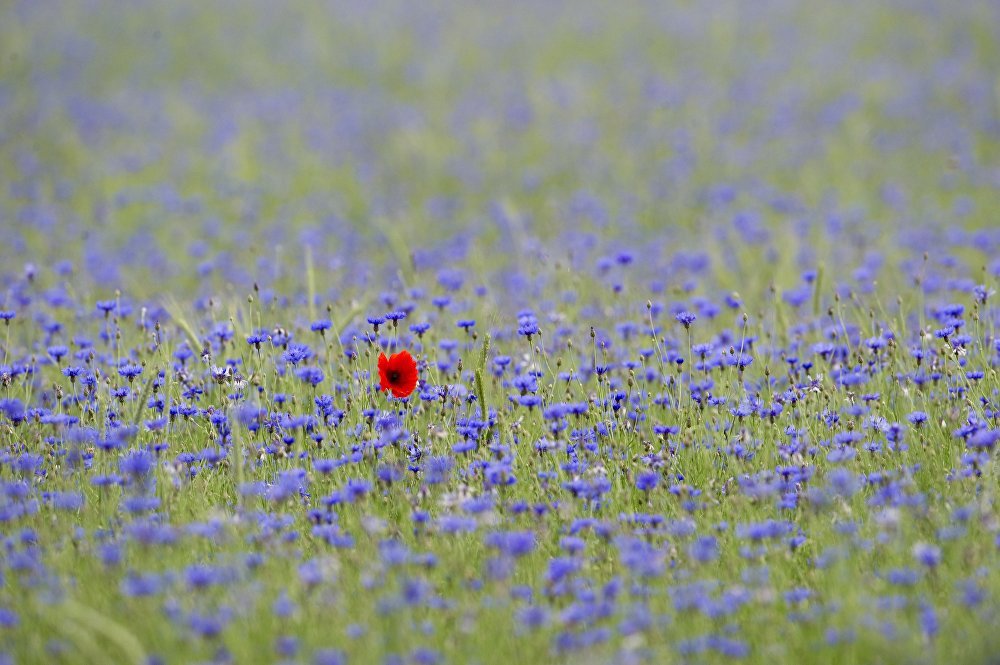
column 393, row 376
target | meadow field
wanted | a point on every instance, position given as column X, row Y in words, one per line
column 701, row 301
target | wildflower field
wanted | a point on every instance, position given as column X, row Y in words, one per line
column 520, row 332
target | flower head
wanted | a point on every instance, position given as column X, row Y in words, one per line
column 397, row 373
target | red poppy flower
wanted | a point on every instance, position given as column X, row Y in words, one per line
column 397, row 373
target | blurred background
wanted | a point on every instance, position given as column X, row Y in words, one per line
column 198, row 147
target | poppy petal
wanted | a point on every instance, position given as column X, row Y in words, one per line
column 399, row 374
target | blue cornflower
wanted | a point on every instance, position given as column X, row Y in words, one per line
column 202, row 576
column 704, row 549
column 525, row 383
column 130, row 372
column 140, row 504
column 138, row 585
column 982, row 293
column 555, row 412
column 311, row 375
column 13, row 409
column 137, row 463
column 561, row 567
column 425, row 656
column 528, row 329
column 325, row 466
column 58, row 352
column 281, row 337
column 208, row 626
column 573, row 544
column 451, row 278
column 73, row 372
column 984, row 439
column 329, row 657
column 110, row 554
column 296, row 353
column 512, row 543
column 388, row 474
column 739, row 360
column 927, row 554
column 283, row 606
column 757, row 531
column 685, row 318
column 529, row 401
column 69, row 501
column 286, row 646
column 437, row 469
column 256, row 339
column 702, row 350
column 533, row 617
column 183, row 353
column 647, row 480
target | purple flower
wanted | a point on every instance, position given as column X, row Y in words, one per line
column 647, row 480
column 512, row 543
column 927, row 554
column 685, row 318
column 137, row 464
